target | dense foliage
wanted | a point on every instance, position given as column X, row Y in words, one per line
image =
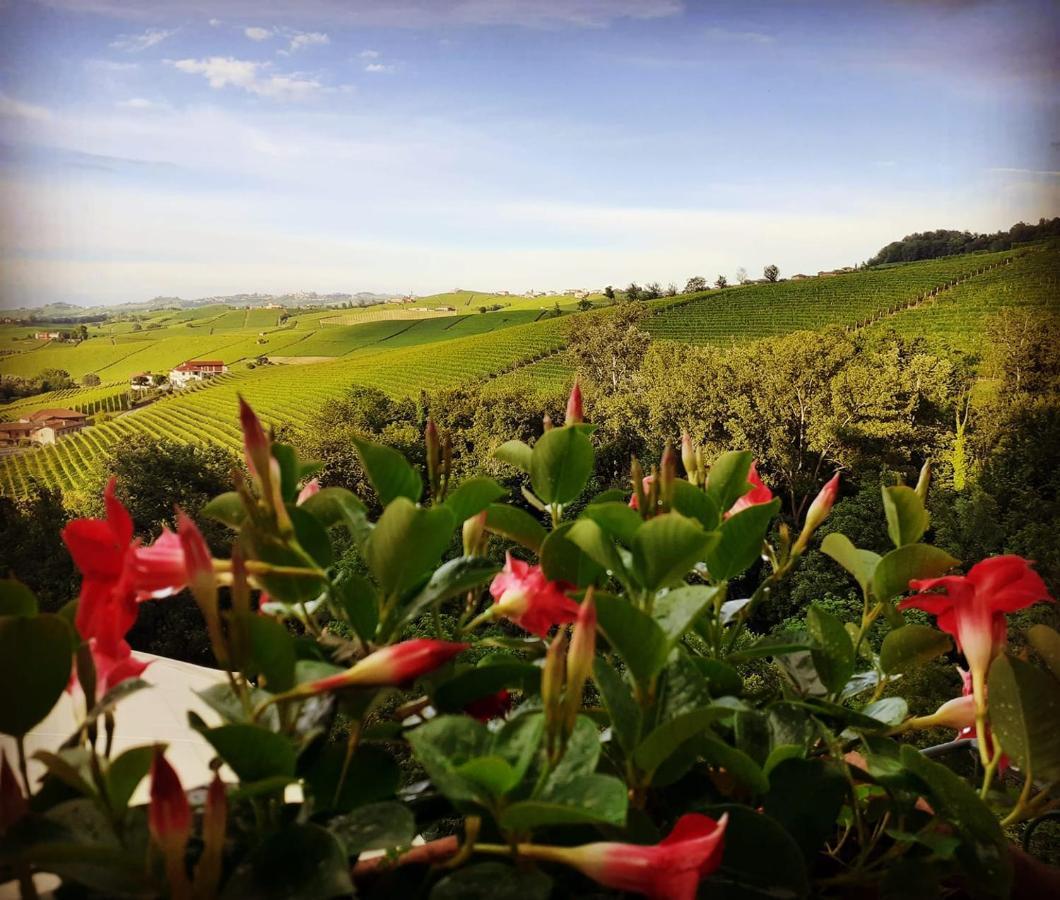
column 589, row 718
column 945, row 242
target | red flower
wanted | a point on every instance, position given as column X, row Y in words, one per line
column 13, row 803
column 757, row 495
column 117, row 573
column 393, row 665
column 972, row 608
column 646, row 482
column 308, row 490
column 523, row 594
column 575, row 412
column 669, row 870
column 492, row 706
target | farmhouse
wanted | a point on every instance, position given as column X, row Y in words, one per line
column 196, row 370
column 45, row 426
column 47, row 335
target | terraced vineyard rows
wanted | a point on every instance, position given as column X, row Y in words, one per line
column 759, row 311
column 285, row 395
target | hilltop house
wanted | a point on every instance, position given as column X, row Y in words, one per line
column 45, row 426
column 196, row 370
column 47, row 335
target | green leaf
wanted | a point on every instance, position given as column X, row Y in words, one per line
column 253, row 753
column 896, row 569
column 666, row 548
column 560, row 464
column 598, row 546
column 760, row 859
column 833, row 651
column 580, row 757
column 634, row 635
column 333, row 506
column 722, row 679
column 727, row 481
column 377, row 826
column 1046, row 643
column 984, row 853
column 805, row 796
column 907, row 520
column 493, row 881
column 358, row 602
column 737, row 763
column 563, row 560
column 889, row 710
column 452, row 578
column 912, row 646
column 298, row 862
column 516, row 525
column 16, row 599
column 486, row 680
column 492, row 773
column 389, row 471
column 656, row 748
column 859, row 563
column 677, row 610
column 1025, row 716
column 444, row 744
column 690, row 501
column 621, row 707
column 771, row 645
column 515, row 453
column 586, row 799
column 125, row 773
column 406, row 542
column 226, row 508
column 371, row 776
column 740, row 542
column 518, row 741
column 472, row 496
column 272, row 650
column 312, row 536
column 615, row 518
column 35, row 663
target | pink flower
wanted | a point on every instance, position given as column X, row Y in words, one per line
column 645, row 483
column 492, row 706
column 393, row 665
column 524, row 595
column 310, row 488
column 757, row 495
column 159, row 569
column 575, row 412
column 669, row 870
column 972, row 608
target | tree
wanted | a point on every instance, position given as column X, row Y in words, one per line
column 695, row 284
column 671, row 290
column 771, row 272
column 607, row 350
column 609, row 292
column 722, row 282
column 1021, row 350
column 90, row 380
column 652, row 290
column 83, row 332
column 633, row 291
column 585, row 304
column 741, row 275
column 34, row 553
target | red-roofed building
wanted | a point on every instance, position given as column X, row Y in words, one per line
column 45, row 426
column 196, row 370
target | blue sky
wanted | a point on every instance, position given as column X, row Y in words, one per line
column 192, row 148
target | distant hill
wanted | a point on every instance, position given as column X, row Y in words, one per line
column 944, row 242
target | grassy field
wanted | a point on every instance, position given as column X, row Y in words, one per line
column 947, row 301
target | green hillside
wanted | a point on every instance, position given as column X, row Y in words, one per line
column 947, row 301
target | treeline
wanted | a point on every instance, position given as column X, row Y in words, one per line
column 945, row 242
column 12, row 387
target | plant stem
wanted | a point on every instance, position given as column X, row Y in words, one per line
column 991, row 764
column 23, row 768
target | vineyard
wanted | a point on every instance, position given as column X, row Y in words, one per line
column 945, row 299
column 763, row 310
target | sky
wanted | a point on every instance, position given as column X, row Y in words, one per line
column 193, row 148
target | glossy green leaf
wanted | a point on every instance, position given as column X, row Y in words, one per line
column 586, row 799
column 376, row 826
column 272, row 651
column 16, row 599
column 124, row 774
column 253, row 753
column 740, row 541
column 564, row 560
column 805, row 796
column 516, row 525
column 406, row 542
column 677, row 610
column 833, row 651
column 298, row 862
column 472, row 496
column 907, row 520
column 450, row 579
column 621, row 707
column 372, row 775
column 888, row 710
column 1025, row 715
column 515, row 453
column 911, row 646
column 560, row 464
column 696, row 504
column 895, row 570
column 35, row 664
column 666, row 548
column 389, row 471
column 727, row 480
column 333, row 506
column 634, row 635
column 654, row 750
column 616, row 518
column 859, row 563
column 598, row 545
column 1046, row 643
column 765, row 861
column 486, row 680
column 226, row 508
column 358, row 602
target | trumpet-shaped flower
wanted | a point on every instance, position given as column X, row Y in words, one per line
column 758, row 494
column 669, row 870
column 522, row 593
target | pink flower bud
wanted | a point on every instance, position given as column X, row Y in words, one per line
column 574, row 414
column 818, row 512
column 580, row 656
column 308, row 490
column 393, row 665
column 169, row 815
column 255, row 442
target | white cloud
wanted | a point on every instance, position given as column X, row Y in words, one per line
column 15, row 109
column 226, row 71
column 302, row 39
column 750, row 37
column 369, row 54
column 135, row 43
column 214, row 23
column 378, row 68
column 139, row 103
column 257, row 33
column 1035, row 173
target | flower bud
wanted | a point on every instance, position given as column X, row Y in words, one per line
column 546, row 422
column 255, row 443
column 169, row 822
column 202, row 582
column 474, row 534
column 958, row 713
column 214, row 822
column 580, row 656
column 552, row 679
column 667, row 474
column 923, row 481
column 688, row 458
column 434, row 454
column 574, row 414
column 818, row 512
column 308, row 490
